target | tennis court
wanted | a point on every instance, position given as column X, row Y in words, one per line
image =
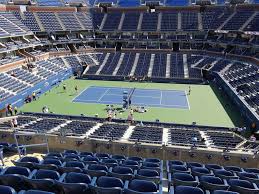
column 139, row 97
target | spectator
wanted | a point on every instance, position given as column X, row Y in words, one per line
column 15, row 123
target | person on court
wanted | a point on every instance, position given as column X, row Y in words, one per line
column 64, row 87
column 76, row 89
column 189, row 92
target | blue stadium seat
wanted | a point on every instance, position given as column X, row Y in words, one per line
column 212, row 183
column 242, row 186
column 251, row 177
column 123, row 173
column 90, row 160
column 224, row 192
column 15, row 181
column 147, row 174
column 17, row 170
column 252, row 170
column 183, row 179
column 179, row 168
column 48, row 185
column 74, row 177
column 105, row 185
column 233, row 168
column 7, row 190
column 187, row 190
column 134, row 165
column 74, row 164
column 194, row 164
column 84, row 154
column 135, row 158
column 213, row 167
column 52, row 161
column 102, row 155
column 97, row 170
column 141, row 187
column 35, row 192
column 199, row 171
column 69, row 188
column 46, row 174
column 109, row 162
column 118, row 157
column 224, row 174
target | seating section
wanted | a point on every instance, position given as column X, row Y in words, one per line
column 143, row 65
column 9, row 24
column 131, row 21
column 149, row 22
column 28, row 20
column 50, row 3
column 243, row 78
column 112, row 22
column 76, row 128
column 49, row 21
column 193, row 177
column 147, row 135
column 109, row 131
column 180, row 135
column 69, row 21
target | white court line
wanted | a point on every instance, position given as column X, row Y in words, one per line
column 103, row 94
column 161, row 96
column 187, row 100
column 79, row 94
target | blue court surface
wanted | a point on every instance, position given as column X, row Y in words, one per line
column 139, row 97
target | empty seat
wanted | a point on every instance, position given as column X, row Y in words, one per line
column 52, row 161
column 135, row 158
column 29, row 159
column 148, row 174
column 118, row 157
column 183, row 179
column 105, row 185
column 253, row 178
column 213, row 167
column 212, row 183
column 224, row 192
column 46, row 174
column 70, row 152
column 199, row 171
column 124, row 173
column 233, row 168
column 252, row 170
column 90, row 160
column 243, row 186
column 69, row 188
column 188, row 190
column 74, row 164
column 102, row 155
column 17, row 170
column 224, row 174
column 179, row 168
column 110, row 162
column 141, row 186
column 7, row 190
column 74, row 177
column 36, row 192
column 15, row 181
column 134, row 165
column 176, row 162
column 42, row 184
column 97, row 170
column 83, row 154
column 194, row 164
column 153, row 160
